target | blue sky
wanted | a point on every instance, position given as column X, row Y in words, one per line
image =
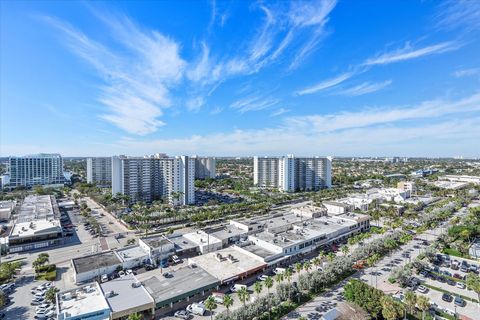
column 341, row 78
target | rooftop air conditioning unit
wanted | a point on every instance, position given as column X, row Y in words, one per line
column 110, row 294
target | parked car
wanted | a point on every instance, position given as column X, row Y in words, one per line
column 279, row 270
column 176, row 259
column 218, row 297
column 460, row 285
column 422, row 289
column 182, row 314
column 459, row 302
column 167, row 275
column 121, row 273
column 451, row 282
column 237, row 287
column 104, row 278
column 262, row 277
column 129, row 271
column 446, row 297
column 196, row 308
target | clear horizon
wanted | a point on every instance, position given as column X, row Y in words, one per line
column 240, row 79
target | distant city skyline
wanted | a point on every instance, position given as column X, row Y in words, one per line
column 240, row 78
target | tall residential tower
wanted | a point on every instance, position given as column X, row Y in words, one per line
column 99, row 171
column 37, row 169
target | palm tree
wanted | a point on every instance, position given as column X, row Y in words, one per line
column 227, row 302
column 410, row 301
column 210, row 304
column 278, row 278
column 134, row 316
column 288, row 274
column 243, row 295
column 258, row 287
column 316, row 262
column 345, row 250
column 330, row 256
column 268, row 284
column 321, row 255
column 298, row 267
column 423, row 304
column 307, row 266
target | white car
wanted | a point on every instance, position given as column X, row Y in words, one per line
column 422, row 289
column 237, row 287
column 121, row 274
column 129, row 271
column 460, row 285
column 262, row 277
column 104, row 278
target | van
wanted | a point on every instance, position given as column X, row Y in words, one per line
column 196, row 308
column 279, row 270
column 237, row 287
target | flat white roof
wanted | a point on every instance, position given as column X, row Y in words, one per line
column 128, row 293
column 201, row 238
column 82, row 300
column 131, row 253
column 225, row 269
column 34, row 228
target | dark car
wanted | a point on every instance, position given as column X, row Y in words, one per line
column 459, row 302
column 451, row 282
column 446, row 297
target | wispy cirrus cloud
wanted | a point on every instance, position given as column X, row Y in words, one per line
column 326, row 84
column 279, row 112
column 459, row 14
column 388, row 130
column 365, row 87
column 408, row 52
column 466, row 72
column 254, row 103
column 135, row 94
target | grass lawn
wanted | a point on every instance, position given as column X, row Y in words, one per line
column 49, row 276
column 456, row 253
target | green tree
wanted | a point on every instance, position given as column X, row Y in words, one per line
column 243, row 295
column 134, row 316
column 391, row 310
column 258, row 287
column 298, row 267
column 345, row 250
column 473, row 283
column 279, row 278
column 307, row 266
column 3, row 299
column 288, row 274
column 410, row 301
column 210, row 304
column 423, row 304
column 330, row 257
column 227, row 302
column 268, row 284
column 51, row 295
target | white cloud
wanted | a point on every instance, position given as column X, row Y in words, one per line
column 279, row 112
column 365, row 87
column 466, row 72
column 194, row 104
column 135, row 94
column 376, row 116
column 254, row 103
column 326, row 84
column 459, row 13
column 408, row 53
column 216, row 110
column 380, row 131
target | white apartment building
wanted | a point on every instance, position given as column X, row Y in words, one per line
column 37, row 169
column 155, row 178
column 292, row 174
column 99, row 171
column 407, row 186
column 266, row 172
column 205, row 167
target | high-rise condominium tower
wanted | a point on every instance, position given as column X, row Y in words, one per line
column 291, row 174
column 155, row 178
column 205, row 167
column 37, row 169
column 99, row 171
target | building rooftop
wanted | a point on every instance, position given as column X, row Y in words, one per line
column 96, row 261
column 181, row 243
column 131, row 253
column 155, row 242
column 261, row 252
column 126, row 293
column 229, row 263
column 82, row 300
column 37, row 207
column 336, row 203
column 201, row 238
column 184, row 282
column 225, row 232
column 35, row 228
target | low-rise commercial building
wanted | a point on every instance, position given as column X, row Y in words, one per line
column 6, row 209
column 126, row 296
column 334, row 207
column 183, row 285
column 229, row 264
column 158, row 248
column 204, row 241
column 36, row 226
column 460, row 178
column 85, row 302
column 92, row 266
